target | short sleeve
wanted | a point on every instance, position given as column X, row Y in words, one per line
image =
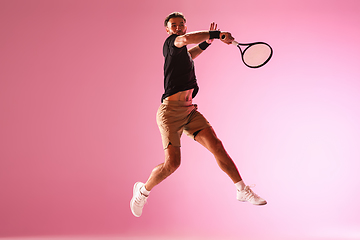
column 170, row 48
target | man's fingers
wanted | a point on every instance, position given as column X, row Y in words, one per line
column 213, row 26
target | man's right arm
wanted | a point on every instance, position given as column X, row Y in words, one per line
column 198, row 37
column 191, row 38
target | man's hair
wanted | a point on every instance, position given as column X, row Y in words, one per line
column 174, row 15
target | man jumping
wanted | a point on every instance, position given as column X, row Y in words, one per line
column 177, row 113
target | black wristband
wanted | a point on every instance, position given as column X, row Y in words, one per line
column 204, row 45
column 214, row 34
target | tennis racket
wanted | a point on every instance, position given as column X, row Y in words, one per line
column 255, row 54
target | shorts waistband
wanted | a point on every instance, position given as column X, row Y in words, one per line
column 177, row 103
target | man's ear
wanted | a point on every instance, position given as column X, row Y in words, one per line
column 167, row 29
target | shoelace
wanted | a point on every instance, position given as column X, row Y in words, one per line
column 249, row 193
column 140, row 200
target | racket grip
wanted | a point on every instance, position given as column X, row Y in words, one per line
column 233, row 42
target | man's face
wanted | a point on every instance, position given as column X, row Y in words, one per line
column 176, row 26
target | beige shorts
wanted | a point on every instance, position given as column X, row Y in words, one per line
column 175, row 117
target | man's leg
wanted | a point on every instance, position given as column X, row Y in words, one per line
column 165, row 169
column 209, row 140
column 141, row 191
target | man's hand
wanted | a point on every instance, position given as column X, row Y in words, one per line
column 213, row 27
column 226, row 37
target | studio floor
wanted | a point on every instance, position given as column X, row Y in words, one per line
column 168, row 237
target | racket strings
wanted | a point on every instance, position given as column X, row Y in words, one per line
column 257, row 55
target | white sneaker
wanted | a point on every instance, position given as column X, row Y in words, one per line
column 138, row 200
column 247, row 195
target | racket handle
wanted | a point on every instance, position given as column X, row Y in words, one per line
column 233, row 42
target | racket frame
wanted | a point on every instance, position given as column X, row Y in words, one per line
column 248, row 46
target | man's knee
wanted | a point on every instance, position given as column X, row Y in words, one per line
column 217, row 146
column 171, row 165
column 172, row 158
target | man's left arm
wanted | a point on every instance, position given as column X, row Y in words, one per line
column 197, row 50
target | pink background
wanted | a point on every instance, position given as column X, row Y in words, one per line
column 80, row 84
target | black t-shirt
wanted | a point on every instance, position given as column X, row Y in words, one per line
column 179, row 72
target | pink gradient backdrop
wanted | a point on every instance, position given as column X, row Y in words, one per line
column 80, row 83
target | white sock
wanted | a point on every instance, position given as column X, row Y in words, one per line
column 144, row 191
column 240, row 185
